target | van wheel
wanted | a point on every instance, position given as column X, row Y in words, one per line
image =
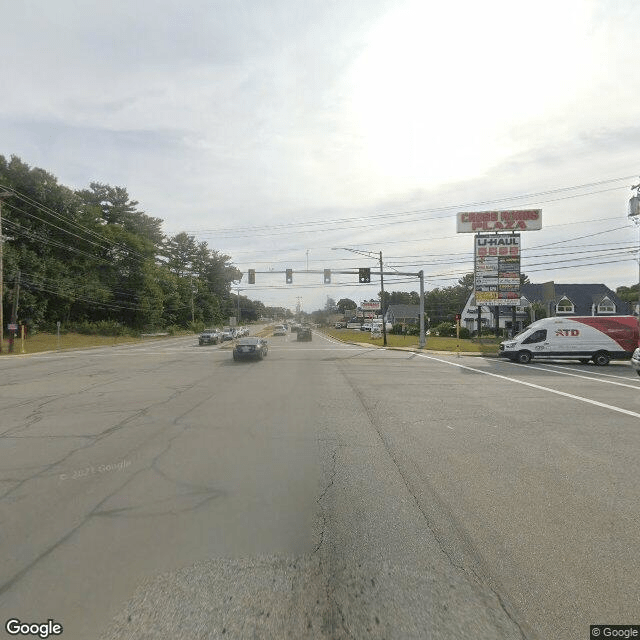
column 524, row 357
column 601, row 358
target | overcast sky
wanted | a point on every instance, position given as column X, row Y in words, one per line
column 278, row 130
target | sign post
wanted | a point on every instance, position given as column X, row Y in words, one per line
column 497, row 255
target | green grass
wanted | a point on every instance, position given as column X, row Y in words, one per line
column 49, row 342
column 434, row 343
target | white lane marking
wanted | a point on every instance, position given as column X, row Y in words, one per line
column 536, row 386
column 537, row 367
column 337, row 348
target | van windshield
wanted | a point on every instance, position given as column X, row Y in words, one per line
column 522, row 333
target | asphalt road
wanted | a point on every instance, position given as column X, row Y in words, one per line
column 163, row 491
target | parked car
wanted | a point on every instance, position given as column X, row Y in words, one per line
column 251, row 348
column 304, row 334
column 635, row 360
column 279, row 330
column 209, row 336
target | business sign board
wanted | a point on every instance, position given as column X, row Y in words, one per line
column 370, row 305
column 519, row 220
column 497, row 270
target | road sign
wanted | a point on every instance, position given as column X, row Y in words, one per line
column 478, row 221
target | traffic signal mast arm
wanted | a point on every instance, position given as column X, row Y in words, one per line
column 352, row 272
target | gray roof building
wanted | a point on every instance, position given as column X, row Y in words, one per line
column 403, row 314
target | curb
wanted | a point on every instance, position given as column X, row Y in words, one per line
column 474, row 354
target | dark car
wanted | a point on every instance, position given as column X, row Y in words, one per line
column 252, row 348
column 209, row 336
column 304, row 334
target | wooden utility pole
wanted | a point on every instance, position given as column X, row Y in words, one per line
column 14, row 309
column 384, row 322
column 4, row 194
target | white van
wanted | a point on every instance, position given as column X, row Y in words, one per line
column 597, row 338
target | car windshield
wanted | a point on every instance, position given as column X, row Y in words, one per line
column 374, row 195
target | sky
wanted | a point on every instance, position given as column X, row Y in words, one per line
column 315, row 135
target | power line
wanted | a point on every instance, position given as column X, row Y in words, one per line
column 72, row 223
column 446, row 208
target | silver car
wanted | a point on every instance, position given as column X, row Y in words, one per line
column 209, row 336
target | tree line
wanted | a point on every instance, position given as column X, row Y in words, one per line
column 92, row 256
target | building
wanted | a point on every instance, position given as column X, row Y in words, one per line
column 546, row 300
column 403, row 314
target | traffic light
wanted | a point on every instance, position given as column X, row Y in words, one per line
column 327, row 276
column 364, row 274
column 289, row 276
column 252, row 276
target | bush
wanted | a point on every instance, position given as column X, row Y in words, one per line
column 465, row 333
column 445, row 329
column 99, row 328
column 397, row 329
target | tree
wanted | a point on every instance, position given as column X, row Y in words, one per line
column 330, row 305
column 91, row 255
column 400, row 297
column 346, row 304
column 628, row 294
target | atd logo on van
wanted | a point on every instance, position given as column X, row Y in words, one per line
column 563, row 333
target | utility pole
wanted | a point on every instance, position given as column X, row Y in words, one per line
column 384, row 324
column 423, row 340
column 4, row 194
column 193, row 312
column 14, row 308
column 634, row 213
column 238, row 320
